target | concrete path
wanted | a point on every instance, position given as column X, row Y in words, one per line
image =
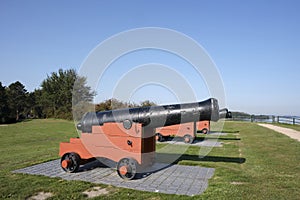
column 172, row 179
column 286, row 131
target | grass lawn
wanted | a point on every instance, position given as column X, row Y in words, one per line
column 254, row 163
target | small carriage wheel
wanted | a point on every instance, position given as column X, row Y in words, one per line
column 205, row 131
column 127, row 168
column 70, row 162
column 159, row 137
column 188, row 139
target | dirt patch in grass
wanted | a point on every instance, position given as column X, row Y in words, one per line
column 40, row 196
column 95, row 191
column 154, row 198
column 236, row 183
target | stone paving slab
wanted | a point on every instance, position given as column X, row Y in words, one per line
column 217, row 133
column 207, row 142
column 171, row 179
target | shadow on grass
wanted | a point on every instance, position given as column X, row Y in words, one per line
column 223, row 132
column 200, row 138
column 212, row 159
column 197, row 139
column 165, row 157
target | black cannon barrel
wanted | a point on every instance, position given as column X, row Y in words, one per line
column 224, row 113
column 154, row 116
column 229, row 115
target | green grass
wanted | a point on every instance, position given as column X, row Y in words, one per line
column 254, row 163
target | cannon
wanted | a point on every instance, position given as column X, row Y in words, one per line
column 127, row 136
column 224, row 113
column 188, row 130
column 153, row 116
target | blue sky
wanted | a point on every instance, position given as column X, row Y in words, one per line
column 254, row 44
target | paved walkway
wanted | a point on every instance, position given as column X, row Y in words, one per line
column 201, row 143
column 172, row 179
column 286, row 131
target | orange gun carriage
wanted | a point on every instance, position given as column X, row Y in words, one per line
column 187, row 131
column 133, row 148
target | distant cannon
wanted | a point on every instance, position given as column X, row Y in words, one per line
column 188, row 130
column 224, row 113
column 127, row 136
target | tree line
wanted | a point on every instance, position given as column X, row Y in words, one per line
column 53, row 99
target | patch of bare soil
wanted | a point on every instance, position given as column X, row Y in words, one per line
column 41, row 196
column 95, row 191
column 236, row 183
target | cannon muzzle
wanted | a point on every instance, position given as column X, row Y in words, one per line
column 153, row 116
column 224, row 113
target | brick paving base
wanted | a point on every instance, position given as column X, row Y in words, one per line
column 169, row 179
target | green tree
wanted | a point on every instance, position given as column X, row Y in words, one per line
column 17, row 94
column 37, row 109
column 147, row 103
column 57, row 90
column 113, row 103
column 4, row 109
column 82, row 98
